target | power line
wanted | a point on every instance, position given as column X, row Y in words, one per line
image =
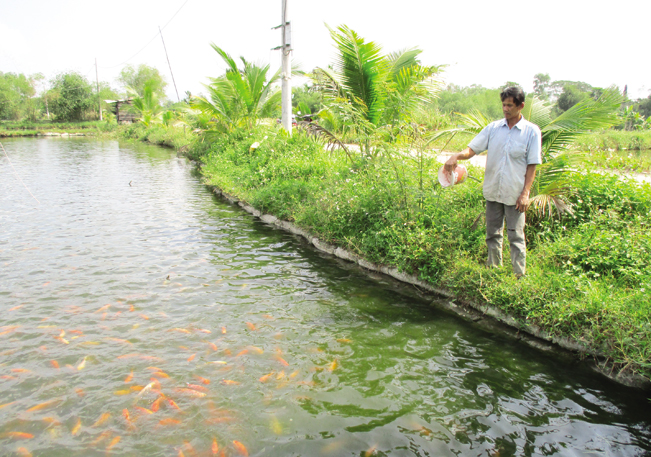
column 150, row 41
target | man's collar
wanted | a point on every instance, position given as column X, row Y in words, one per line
column 503, row 122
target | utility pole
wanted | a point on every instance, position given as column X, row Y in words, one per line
column 168, row 63
column 99, row 100
column 286, row 75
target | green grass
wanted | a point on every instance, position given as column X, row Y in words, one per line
column 589, row 276
column 33, row 128
column 615, row 140
column 174, row 137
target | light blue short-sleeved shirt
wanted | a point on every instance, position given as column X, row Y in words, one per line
column 509, row 153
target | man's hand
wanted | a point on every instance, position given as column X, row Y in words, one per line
column 451, row 163
column 523, row 202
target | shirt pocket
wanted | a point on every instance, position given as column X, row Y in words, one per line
column 518, row 150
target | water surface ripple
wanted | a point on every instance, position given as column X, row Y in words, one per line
column 143, row 316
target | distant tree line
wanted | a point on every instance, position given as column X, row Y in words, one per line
column 70, row 96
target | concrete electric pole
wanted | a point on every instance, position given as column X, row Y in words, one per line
column 286, row 75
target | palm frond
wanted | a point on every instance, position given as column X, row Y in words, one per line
column 586, row 115
column 362, row 70
column 537, row 111
column 402, row 59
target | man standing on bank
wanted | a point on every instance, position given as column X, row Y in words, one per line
column 514, row 149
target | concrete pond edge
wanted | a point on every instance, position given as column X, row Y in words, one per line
column 530, row 334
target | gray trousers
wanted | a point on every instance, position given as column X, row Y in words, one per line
column 495, row 215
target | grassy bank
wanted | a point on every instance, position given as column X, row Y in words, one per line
column 35, row 128
column 589, row 276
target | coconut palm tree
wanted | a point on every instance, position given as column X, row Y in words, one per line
column 241, row 96
column 147, row 106
column 369, row 91
column 552, row 187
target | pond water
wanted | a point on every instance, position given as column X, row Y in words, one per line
column 141, row 315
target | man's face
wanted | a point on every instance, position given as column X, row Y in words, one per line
column 511, row 110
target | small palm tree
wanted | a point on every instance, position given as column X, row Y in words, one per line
column 552, row 187
column 147, row 107
column 241, row 96
column 369, row 91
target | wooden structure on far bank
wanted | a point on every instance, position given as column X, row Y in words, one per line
column 122, row 109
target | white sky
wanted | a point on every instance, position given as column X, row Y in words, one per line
column 483, row 42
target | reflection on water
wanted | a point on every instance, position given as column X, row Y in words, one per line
column 142, row 316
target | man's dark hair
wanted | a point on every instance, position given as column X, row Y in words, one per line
column 514, row 92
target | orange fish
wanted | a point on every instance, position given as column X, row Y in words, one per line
column 127, row 416
column 281, row 360
column 182, row 330
column 129, row 377
column 150, row 357
column 173, row 404
column 160, row 374
column 102, row 436
column 203, row 330
column 333, row 366
column 242, row 352
column 155, row 383
column 44, row 405
column 215, row 447
column 228, row 382
column 240, row 448
column 344, row 340
column 113, row 442
column 370, row 451
column 266, row 377
column 51, row 420
column 6, row 376
column 189, row 448
column 156, row 404
column 122, row 392
column 136, row 388
column 268, row 316
column 169, row 421
column 103, row 418
column 16, row 307
column 119, row 340
column 219, row 420
column 223, row 330
column 198, row 387
column 144, row 410
column 79, row 332
column 256, row 349
column 80, row 392
column 76, row 428
column 21, row 370
column 191, row 358
column 82, row 364
column 251, row 326
column 213, row 346
column 103, row 308
column 190, row 392
column 144, row 316
column 202, row 380
column 19, row 435
column 23, row 452
column 127, row 356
